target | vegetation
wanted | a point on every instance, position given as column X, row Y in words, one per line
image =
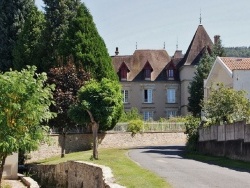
column 226, row 104
column 220, row 161
column 126, row 172
column 12, row 15
column 24, row 106
column 129, row 115
column 99, row 105
column 192, row 125
column 237, row 51
column 135, row 126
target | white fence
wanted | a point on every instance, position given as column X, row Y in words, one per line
column 153, row 127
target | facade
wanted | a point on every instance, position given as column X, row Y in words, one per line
column 157, row 84
column 232, row 72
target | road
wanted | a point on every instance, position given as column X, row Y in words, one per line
column 167, row 162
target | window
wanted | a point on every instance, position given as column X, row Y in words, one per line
column 148, row 98
column 125, row 96
column 170, row 73
column 123, row 74
column 171, row 96
column 171, row 113
column 148, row 115
column 147, row 74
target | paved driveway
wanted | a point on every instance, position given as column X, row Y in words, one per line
column 167, row 162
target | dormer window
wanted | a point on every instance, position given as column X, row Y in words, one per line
column 147, row 71
column 123, row 72
column 170, row 73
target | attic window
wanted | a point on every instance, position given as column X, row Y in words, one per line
column 170, row 74
column 123, row 73
column 147, row 74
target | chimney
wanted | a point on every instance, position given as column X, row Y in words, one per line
column 216, row 39
column 116, row 51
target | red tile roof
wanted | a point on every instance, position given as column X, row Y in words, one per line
column 235, row 63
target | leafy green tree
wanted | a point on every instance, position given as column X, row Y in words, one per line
column 58, row 15
column 24, row 107
column 132, row 114
column 226, row 104
column 12, row 18
column 99, row 105
column 83, row 44
column 195, row 88
column 27, row 49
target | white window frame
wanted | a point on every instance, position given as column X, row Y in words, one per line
column 148, row 95
column 148, row 115
column 170, row 73
column 171, row 95
column 125, row 96
column 171, row 113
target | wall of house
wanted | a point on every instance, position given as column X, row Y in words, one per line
column 81, row 142
column 241, row 81
column 11, row 167
column 159, row 104
column 231, row 140
column 186, row 76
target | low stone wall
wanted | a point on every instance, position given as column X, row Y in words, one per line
column 81, row 142
column 73, row 174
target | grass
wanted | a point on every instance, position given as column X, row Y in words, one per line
column 220, row 161
column 126, row 172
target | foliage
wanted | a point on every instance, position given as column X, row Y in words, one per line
column 242, row 51
column 192, row 125
column 218, row 49
column 135, row 126
column 58, row 16
column 27, row 48
column 12, row 17
column 84, row 45
column 129, row 115
column 24, row 106
column 68, row 80
column 103, row 99
column 173, row 119
column 226, row 104
column 195, row 88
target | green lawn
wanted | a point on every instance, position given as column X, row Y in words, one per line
column 220, row 161
column 126, row 172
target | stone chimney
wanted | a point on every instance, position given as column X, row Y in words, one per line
column 216, row 39
column 116, row 51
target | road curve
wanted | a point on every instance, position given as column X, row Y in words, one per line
column 167, row 162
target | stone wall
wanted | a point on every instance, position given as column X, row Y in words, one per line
column 81, row 142
column 73, row 174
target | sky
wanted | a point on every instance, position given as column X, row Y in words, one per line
column 151, row 23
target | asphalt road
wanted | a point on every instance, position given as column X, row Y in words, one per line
column 167, row 162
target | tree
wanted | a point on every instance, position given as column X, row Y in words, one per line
column 100, row 105
column 58, row 15
column 12, row 17
column 83, row 44
column 27, row 50
column 218, row 49
column 67, row 80
column 195, row 88
column 226, row 104
column 24, row 107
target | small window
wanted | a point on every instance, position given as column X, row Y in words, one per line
column 170, row 73
column 123, row 73
column 148, row 96
column 147, row 74
column 125, row 96
column 148, row 115
column 171, row 98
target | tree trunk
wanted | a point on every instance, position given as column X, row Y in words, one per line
column 95, row 127
column 3, row 158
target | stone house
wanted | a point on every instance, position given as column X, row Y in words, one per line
column 233, row 72
column 157, row 84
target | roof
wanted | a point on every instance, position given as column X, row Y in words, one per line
column 200, row 41
column 235, row 63
column 158, row 59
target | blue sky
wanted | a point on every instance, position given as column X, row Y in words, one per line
column 150, row 23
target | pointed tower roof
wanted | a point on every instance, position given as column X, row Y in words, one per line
column 200, row 41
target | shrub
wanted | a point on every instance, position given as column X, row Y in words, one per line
column 192, row 125
column 135, row 126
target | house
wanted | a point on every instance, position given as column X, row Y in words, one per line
column 157, row 84
column 233, row 72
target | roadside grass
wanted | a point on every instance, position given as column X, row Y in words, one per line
column 126, row 172
column 220, row 161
